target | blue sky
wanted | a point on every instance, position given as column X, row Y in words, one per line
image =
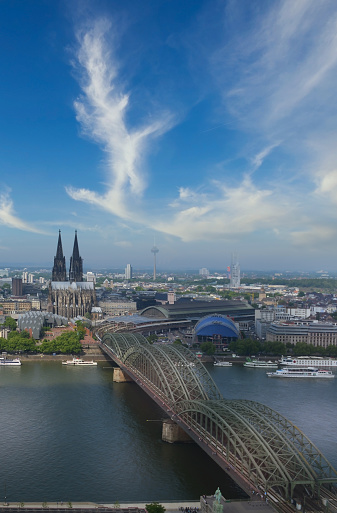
column 207, row 126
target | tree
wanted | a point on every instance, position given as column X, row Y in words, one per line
column 208, row 348
column 80, row 329
column 67, row 343
column 152, row 338
column 10, row 323
column 155, row 507
column 177, row 342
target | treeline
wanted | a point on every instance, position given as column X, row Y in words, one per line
column 329, row 284
column 67, row 343
column 248, row 347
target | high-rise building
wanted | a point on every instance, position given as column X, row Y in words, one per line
column 24, row 277
column 16, row 286
column 235, row 272
column 204, row 272
column 30, row 278
column 128, row 272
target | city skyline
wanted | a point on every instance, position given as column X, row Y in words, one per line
column 208, row 125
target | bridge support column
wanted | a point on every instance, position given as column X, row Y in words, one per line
column 120, row 377
column 172, row 433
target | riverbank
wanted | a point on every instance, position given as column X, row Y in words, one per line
column 89, row 353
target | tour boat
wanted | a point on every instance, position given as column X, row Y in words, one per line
column 302, row 361
column 6, row 361
column 222, row 363
column 79, row 361
column 260, row 364
column 300, row 372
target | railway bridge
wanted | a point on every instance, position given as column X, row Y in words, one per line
column 257, row 446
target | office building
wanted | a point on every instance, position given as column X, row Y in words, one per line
column 128, row 272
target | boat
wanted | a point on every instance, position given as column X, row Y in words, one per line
column 260, row 364
column 222, row 363
column 301, row 372
column 10, row 362
column 79, row 361
column 305, row 361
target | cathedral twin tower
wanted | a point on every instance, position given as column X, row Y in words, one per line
column 74, row 297
column 76, row 263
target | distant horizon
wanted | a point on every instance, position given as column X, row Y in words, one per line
column 149, row 270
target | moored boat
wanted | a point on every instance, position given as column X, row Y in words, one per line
column 301, row 372
column 4, row 361
column 260, row 364
column 222, row 363
column 303, row 361
column 79, row 361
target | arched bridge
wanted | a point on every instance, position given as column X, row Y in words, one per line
column 268, row 451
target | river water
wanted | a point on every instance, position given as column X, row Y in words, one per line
column 73, row 434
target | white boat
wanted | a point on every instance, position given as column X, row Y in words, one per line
column 304, row 361
column 8, row 362
column 222, row 363
column 79, row 361
column 260, row 364
column 300, row 372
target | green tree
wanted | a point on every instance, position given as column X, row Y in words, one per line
column 10, row 323
column 152, row 338
column 303, row 349
column 208, row 348
column 67, row 343
column 155, row 507
column 245, row 347
column 17, row 342
column 177, row 342
column 80, row 329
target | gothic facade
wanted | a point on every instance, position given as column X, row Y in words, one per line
column 73, row 297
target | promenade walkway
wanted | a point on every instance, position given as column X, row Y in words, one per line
column 255, row 506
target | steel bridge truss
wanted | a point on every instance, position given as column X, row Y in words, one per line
column 266, row 448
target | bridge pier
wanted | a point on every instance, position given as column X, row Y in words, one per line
column 119, row 376
column 173, row 433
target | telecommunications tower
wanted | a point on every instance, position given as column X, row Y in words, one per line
column 154, row 250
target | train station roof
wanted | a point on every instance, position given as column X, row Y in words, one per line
column 196, row 309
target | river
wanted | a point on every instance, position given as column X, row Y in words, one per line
column 73, row 434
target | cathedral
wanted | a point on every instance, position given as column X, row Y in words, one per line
column 70, row 297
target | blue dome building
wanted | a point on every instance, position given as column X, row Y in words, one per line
column 217, row 327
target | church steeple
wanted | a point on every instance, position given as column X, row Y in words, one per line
column 76, row 263
column 59, row 272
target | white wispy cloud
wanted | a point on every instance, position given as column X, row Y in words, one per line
column 280, row 64
column 258, row 159
column 276, row 78
column 9, row 219
column 226, row 212
column 101, row 111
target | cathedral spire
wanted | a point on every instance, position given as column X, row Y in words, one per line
column 76, row 263
column 59, row 272
column 59, row 251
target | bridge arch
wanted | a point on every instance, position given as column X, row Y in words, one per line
column 265, row 447
column 261, row 444
column 172, row 372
